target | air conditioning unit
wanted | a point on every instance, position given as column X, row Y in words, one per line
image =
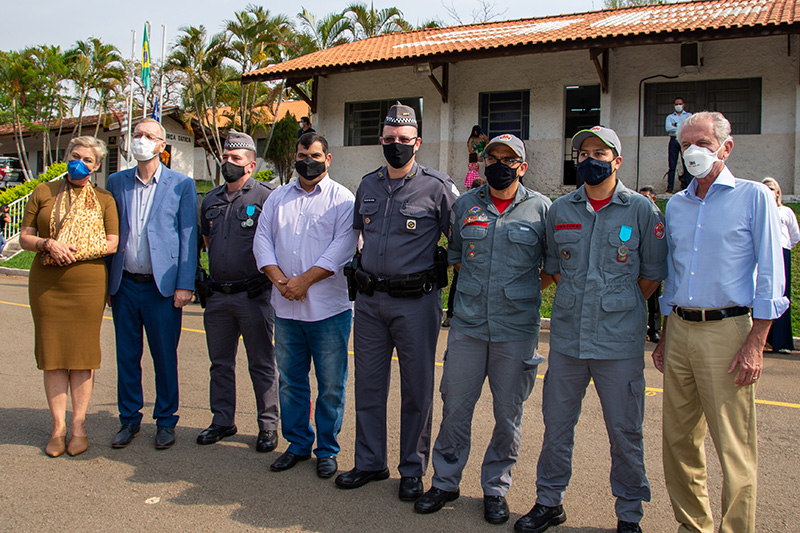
column 690, row 55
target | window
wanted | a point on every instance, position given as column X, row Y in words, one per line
column 364, row 120
column 505, row 112
column 582, row 111
column 738, row 99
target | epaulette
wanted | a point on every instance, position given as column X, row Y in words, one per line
column 368, row 174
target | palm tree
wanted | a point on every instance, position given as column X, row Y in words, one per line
column 327, row 32
column 96, row 67
column 368, row 22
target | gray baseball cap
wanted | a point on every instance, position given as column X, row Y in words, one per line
column 239, row 141
column 607, row 135
column 512, row 141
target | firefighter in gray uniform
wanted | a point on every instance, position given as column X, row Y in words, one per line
column 497, row 235
column 607, row 253
column 237, row 296
column 402, row 209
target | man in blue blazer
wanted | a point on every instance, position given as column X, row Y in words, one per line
column 151, row 278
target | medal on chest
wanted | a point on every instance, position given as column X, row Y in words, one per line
column 250, row 210
column 624, row 235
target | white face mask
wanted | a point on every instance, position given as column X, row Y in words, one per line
column 699, row 161
column 678, row 108
column 142, row 149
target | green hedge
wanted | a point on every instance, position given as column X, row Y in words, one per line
column 264, row 175
column 17, row 192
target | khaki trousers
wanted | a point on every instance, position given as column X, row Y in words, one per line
column 699, row 393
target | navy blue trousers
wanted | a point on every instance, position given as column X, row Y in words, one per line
column 138, row 306
column 780, row 336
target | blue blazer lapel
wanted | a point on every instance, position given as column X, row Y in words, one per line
column 127, row 192
column 161, row 189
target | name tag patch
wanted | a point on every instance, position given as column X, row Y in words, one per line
column 567, row 226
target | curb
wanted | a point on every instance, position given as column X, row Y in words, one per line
column 20, row 272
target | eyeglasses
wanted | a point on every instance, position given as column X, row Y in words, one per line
column 510, row 161
column 391, row 139
column 139, row 135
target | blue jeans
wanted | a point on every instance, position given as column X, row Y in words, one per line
column 297, row 343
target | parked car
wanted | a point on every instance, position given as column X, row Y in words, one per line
column 11, row 172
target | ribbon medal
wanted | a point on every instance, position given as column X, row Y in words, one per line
column 250, row 210
column 624, row 235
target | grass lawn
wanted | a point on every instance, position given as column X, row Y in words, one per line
column 22, row 260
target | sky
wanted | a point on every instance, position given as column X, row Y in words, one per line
column 56, row 22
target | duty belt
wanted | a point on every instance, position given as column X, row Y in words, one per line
column 233, row 287
column 706, row 315
column 409, row 286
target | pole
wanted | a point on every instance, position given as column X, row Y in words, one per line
column 144, row 101
column 161, row 77
column 130, row 102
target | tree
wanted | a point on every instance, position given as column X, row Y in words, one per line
column 327, row 32
column 485, row 12
column 96, row 68
column 366, row 21
column 283, row 146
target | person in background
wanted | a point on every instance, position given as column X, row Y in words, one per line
column 780, row 335
column 4, row 220
column 674, row 120
column 305, row 127
column 477, row 183
column 476, row 144
column 653, row 312
column 68, row 297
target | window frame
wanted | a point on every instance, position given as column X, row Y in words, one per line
column 485, row 112
column 375, row 122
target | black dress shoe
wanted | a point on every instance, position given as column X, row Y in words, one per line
column 628, row 527
column 214, row 433
column 358, row 478
column 286, row 461
column 267, row 440
column 540, row 518
column 125, row 435
column 410, row 488
column 165, row 437
column 655, row 337
column 495, row 509
column 434, row 499
column 326, row 467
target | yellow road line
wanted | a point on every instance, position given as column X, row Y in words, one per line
column 648, row 389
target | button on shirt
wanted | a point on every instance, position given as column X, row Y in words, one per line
column 299, row 230
column 137, row 249
column 598, row 310
column 716, row 243
column 674, row 120
column 498, row 293
column 229, row 221
column 402, row 224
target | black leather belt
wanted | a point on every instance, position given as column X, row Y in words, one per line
column 229, row 288
column 138, row 278
column 705, row 315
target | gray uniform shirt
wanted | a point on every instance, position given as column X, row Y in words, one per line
column 599, row 311
column 402, row 225
column 230, row 225
column 498, row 293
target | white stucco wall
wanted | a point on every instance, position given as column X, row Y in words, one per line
column 447, row 126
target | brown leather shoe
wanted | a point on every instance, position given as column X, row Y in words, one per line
column 56, row 446
column 77, row 445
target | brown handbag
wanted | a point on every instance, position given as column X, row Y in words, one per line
column 82, row 224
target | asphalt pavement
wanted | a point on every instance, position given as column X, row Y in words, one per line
column 228, row 486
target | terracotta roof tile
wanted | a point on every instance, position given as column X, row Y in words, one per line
column 686, row 16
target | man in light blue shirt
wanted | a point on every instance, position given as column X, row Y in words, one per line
column 674, row 120
column 304, row 237
column 725, row 259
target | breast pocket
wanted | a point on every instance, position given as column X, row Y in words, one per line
column 622, row 257
column 248, row 222
column 473, row 243
column 417, row 219
column 569, row 249
column 524, row 250
column 368, row 212
column 215, row 217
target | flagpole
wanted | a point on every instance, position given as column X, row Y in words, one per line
column 130, row 102
column 144, row 106
column 161, row 88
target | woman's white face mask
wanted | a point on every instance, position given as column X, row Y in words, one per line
column 699, row 161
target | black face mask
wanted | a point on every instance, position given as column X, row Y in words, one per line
column 593, row 171
column 232, row 172
column 309, row 169
column 500, row 176
column 397, row 154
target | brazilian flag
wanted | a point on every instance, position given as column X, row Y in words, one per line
column 146, row 59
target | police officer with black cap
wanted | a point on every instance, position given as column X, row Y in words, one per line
column 238, row 299
column 402, row 209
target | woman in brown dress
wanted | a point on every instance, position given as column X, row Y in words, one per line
column 68, row 284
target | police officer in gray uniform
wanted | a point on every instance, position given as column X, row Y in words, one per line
column 402, row 210
column 497, row 235
column 606, row 251
column 238, row 299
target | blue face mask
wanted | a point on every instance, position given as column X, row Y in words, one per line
column 78, row 170
column 593, row 171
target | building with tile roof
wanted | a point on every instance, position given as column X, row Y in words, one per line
column 545, row 78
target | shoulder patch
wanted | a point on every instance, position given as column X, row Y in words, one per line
column 659, row 231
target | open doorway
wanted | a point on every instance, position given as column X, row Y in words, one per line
column 581, row 111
